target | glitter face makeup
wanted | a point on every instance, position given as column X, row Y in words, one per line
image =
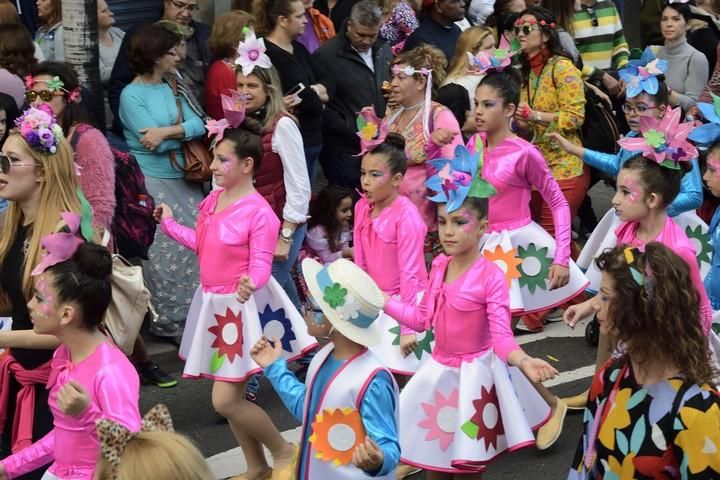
column 634, row 190
column 471, row 220
column 712, row 173
column 44, row 296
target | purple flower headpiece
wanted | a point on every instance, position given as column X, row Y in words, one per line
column 664, row 141
column 251, row 53
column 641, row 75
column 39, row 128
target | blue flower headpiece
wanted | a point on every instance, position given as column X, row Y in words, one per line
column 641, row 75
column 708, row 133
column 459, row 178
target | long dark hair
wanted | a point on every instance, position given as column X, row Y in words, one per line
column 8, row 105
column 666, row 304
column 564, row 11
column 322, row 212
column 75, row 112
column 553, row 43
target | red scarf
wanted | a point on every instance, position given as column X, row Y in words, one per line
column 538, row 61
column 22, row 427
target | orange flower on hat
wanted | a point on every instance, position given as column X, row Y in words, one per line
column 336, row 435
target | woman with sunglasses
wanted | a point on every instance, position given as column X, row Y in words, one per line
column 552, row 99
column 38, row 177
column 154, row 128
column 56, row 85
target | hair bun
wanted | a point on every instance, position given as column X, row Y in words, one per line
column 253, row 126
column 93, row 260
column 395, row 140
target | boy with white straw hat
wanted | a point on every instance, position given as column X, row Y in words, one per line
column 345, row 405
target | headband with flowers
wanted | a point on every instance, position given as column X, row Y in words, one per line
column 234, row 110
column 39, row 128
column 708, row 133
column 641, row 75
column 251, row 53
column 409, row 71
column 55, row 84
column 663, row 141
column 534, row 21
column 371, row 129
column 460, row 177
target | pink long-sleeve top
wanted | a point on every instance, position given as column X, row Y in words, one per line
column 317, row 244
column 390, row 248
column 239, row 240
column 469, row 315
column 673, row 237
column 72, row 445
column 514, row 168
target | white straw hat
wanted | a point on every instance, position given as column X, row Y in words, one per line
column 348, row 297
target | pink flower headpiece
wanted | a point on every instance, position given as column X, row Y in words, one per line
column 60, row 246
column 533, row 21
column 496, row 60
column 371, row 129
column 55, row 84
column 234, row 111
column 251, row 53
column 39, row 128
column 663, row 141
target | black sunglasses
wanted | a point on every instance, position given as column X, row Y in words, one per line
column 525, row 29
column 6, row 162
column 45, row 95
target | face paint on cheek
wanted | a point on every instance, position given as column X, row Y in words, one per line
column 225, row 167
column 714, row 162
column 471, row 220
column 45, row 307
column 634, row 191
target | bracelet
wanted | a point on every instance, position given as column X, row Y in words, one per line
column 286, row 240
column 537, row 116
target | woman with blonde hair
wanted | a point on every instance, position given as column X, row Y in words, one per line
column 228, row 30
column 37, row 174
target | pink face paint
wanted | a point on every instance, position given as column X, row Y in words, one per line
column 634, row 191
column 47, row 299
column 470, row 218
column 714, row 163
column 225, row 167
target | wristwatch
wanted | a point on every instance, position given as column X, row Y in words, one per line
column 286, row 234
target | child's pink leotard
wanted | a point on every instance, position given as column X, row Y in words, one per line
column 113, row 386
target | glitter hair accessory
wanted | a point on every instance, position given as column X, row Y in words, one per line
column 54, row 85
column 663, row 141
column 409, row 71
column 708, row 133
column 39, row 129
column 60, row 246
column 234, row 110
column 641, row 75
column 371, row 129
column 494, row 60
column 251, row 53
column 459, row 178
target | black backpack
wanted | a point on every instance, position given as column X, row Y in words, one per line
column 133, row 226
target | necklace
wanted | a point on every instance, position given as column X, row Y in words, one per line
column 412, row 107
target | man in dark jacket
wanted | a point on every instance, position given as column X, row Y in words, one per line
column 353, row 66
column 193, row 69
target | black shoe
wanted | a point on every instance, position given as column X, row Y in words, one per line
column 151, row 374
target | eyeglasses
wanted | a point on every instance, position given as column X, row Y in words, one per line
column 638, row 109
column 45, row 95
column 6, row 162
column 318, row 317
column 525, row 29
column 185, row 6
column 593, row 15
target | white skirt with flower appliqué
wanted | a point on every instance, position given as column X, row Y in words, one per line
column 220, row 332
column 458, row 419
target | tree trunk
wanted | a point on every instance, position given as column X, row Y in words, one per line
column 81, row 50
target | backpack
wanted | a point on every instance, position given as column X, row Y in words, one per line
column 133, row 226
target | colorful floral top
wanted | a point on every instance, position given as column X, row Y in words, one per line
column 558, row 89
column 668, row 430
column 400, row 24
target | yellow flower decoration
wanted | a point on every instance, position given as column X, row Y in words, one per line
column 700, row 441
column 617, row 419
column 369, row 131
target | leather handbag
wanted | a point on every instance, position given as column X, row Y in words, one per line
column 197, row 156
column 129, row 305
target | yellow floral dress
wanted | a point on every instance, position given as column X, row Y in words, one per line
column 669, row 430
column 558, row 89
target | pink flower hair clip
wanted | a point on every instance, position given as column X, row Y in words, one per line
column 371, row 129
column 251, row 53
column 60, row 246
column 234, row 111
column 409, row 71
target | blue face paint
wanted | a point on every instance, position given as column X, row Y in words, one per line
column 318, row 317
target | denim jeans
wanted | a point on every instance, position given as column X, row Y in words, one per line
column 281, row 270
column 312, row 155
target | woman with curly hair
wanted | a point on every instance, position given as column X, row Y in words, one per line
column 652, row 409
column 17, row 50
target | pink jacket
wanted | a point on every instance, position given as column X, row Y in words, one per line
column 97, row 173
column 318, row 245
column 239, row 240
column 514, row 168
column 470, row 315
column 72, row 445
column 390, row 247
column 673, row 237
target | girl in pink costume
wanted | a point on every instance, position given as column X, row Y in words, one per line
column 468, row 403
column 238, row 302
column 90, row 379
column 388, row 235
column 538, row 268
